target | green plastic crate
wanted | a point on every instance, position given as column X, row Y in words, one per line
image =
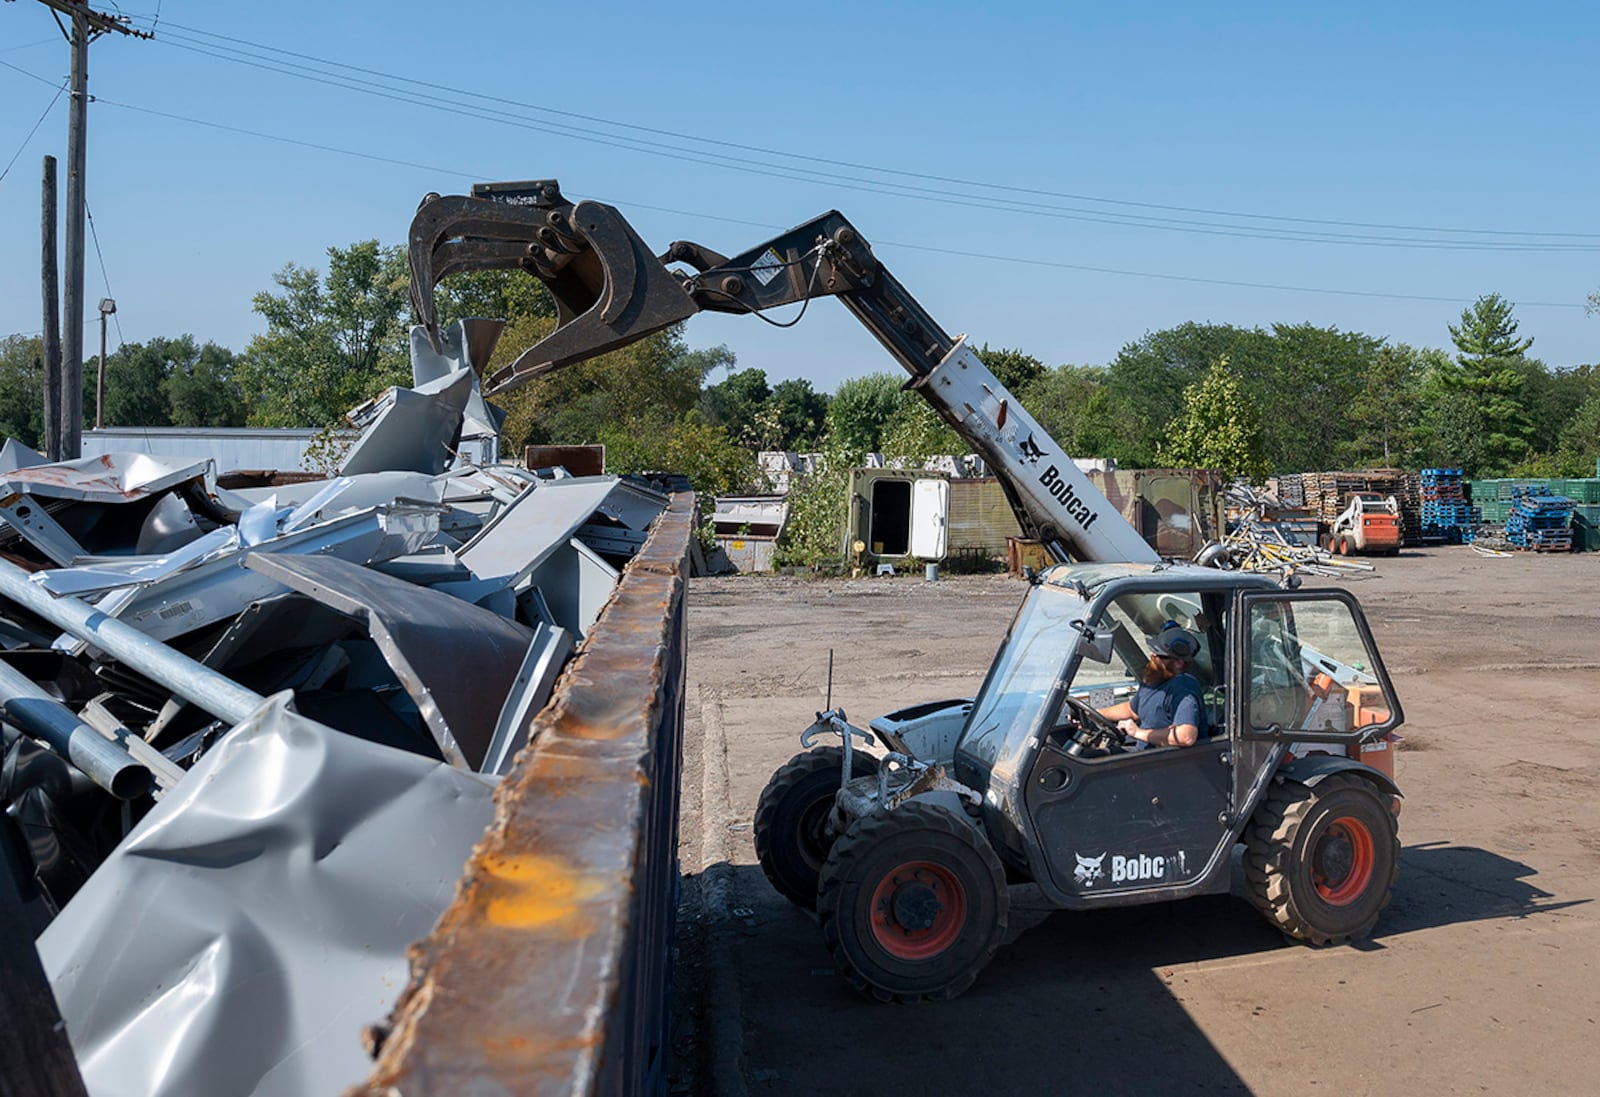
column 1586, row 490
column 1586, row 528
column 1494, row 510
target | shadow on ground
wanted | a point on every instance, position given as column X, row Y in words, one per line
column 1075, row 1002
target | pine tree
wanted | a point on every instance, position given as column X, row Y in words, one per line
column 1488, row 352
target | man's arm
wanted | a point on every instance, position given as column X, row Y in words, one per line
column 1178, row 735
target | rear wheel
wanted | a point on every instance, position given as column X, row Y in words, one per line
column 1345, row 547
column 913, row 904
column 1321, row 862
column 791, row 824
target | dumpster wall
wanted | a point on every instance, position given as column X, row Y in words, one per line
column 549, row 971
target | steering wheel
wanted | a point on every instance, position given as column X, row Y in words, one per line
column 1091, row 730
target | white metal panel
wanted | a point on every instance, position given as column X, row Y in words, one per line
column 930, row 518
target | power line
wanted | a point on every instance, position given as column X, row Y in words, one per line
column 59, row 91
column 858, row 166
column 30, row 75
column 27, row 45
column 882, row 187
column 767, row 226
column 105, row 279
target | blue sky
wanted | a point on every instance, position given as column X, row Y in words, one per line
column 1169, row 162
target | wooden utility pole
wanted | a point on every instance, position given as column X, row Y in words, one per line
column 52, row 314
column 86, row 24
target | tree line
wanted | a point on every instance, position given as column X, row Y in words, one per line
column 1290, row 398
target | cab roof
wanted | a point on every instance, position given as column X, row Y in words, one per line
column 1094, row 576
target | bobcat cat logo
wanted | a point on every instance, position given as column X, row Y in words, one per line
column 1031, row 450
column 1089, row 869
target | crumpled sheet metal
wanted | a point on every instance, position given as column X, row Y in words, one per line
column 109, row 478
column 514, row 543
column 414, row 429
column 547, row 972
column 239, row 938
column 215, row 587
column 456, row 661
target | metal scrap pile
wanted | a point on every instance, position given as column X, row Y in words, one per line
column 251, row 734
column 1259, row 542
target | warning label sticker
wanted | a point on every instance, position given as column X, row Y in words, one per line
column 768, row 267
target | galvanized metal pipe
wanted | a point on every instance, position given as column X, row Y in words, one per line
column 25, row 704
column 194, row 682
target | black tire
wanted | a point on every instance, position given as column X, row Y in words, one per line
column 1345, row 547
column 1321, row 862
column 791, row 819
column 913, row 904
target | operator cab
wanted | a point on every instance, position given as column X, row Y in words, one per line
column 1069, row 801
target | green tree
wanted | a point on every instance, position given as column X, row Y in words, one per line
column 200, row 388
column 1302, row 378
column 915, row 432
column 1072, row 405
column 645, row 387
column 802, row 414
column 815, row 530
column 331, row 342
column 860, row 409
column 1488, row 375
column 22, row 389
column 136, row 382
column 1014, row 369
column 1306, row 393
column 714, row 463
column 1386, row 411
column 1579, row 444
column 507, row 295
column 1218, row 429
column 734, row 402
column 1146, row 381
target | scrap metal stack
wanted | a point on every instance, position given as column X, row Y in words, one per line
column 1260, row 541
column 1540, row 521
column 1447, row 516
column 251, row 734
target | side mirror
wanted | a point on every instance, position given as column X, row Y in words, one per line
column 1095, row 645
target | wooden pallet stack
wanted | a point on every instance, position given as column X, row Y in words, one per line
column 1325, row 495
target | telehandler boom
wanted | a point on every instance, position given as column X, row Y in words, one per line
column 610, row 290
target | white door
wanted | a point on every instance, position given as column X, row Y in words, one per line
column 930, row 511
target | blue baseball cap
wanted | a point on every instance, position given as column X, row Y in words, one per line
column 1176, row 641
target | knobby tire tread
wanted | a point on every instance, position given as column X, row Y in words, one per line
column 862, row 836
column 1269, row 853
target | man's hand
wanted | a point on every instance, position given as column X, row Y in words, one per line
column 1128, row 728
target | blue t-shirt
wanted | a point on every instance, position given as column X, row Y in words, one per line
column 1175, row 701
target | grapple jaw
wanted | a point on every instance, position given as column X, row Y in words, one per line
column 610, row 289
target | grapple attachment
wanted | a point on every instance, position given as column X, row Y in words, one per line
column 609, row 289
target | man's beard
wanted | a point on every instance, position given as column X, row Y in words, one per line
column 1155, row 672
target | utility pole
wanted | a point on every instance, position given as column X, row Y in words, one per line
column 107, row 307
column 86, row 24
column 52, row 313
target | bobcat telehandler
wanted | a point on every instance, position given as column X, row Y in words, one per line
column 905, row 855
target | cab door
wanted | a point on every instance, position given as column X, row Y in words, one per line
column 1127, row 823
column 1306, row 672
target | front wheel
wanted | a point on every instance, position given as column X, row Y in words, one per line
column 913, row 904
column 791, row 824
column 1321, row 862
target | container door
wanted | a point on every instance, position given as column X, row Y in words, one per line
column 930, row 518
